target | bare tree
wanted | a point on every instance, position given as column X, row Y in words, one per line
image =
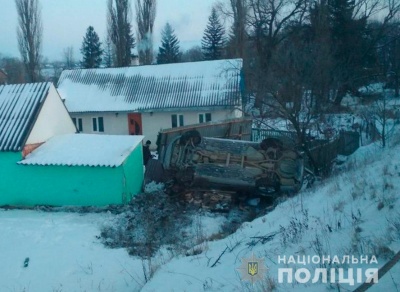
column 109, row 52
column 383, row 115
column 30, row 36
column 145, row 16
column 319, row 51
column 69, row 57
column 287, row 95
column 58, row 67
column 192, row 54
column 120, row 30
column 14, row 69
column 239, row 35
column 354, row 45
column 267, row 20
column 237, row 13
column 393, row 48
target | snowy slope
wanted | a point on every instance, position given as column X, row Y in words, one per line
column 358, row 206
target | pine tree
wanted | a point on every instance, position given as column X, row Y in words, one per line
column 91, row 49
column 169, row 50
column 213, row 41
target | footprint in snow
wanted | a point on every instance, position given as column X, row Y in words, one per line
column 26, row 262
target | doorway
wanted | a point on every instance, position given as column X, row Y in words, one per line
column 135, row 124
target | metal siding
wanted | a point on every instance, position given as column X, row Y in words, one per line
column 19, row 106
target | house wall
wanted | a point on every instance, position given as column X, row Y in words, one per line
column 53, row 120
column 28, row 185
column 117, row 124
column 114, row 123
column 152, row 124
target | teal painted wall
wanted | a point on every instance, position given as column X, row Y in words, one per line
column 29, row 185
column 133, row 173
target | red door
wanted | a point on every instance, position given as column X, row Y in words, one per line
column 135, row 124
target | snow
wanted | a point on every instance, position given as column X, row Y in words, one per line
column 373, row 88
column 331, row 124
column 64, row 254
column 153, row 187
column 84, row 150
column 154, row 87
column 372, row 177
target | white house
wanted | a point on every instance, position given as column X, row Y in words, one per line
column 30, row 114
column 142, row 100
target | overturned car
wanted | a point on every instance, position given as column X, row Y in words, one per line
column 268, row 167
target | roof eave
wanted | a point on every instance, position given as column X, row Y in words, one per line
column 194, row 109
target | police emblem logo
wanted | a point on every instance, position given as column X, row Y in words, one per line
column 252, row 269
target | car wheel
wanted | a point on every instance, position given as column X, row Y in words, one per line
column 191, row 136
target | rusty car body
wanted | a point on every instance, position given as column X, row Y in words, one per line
column 268, row 168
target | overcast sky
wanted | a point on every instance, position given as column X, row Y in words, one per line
column 65, row 23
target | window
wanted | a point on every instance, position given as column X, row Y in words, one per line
column 205, row 117
column 181, row 124
column 94, row 124
column 101, row 124
column 177, row 121
column 98, row 124
column 78, row 124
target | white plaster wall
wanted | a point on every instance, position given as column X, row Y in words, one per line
column 53, row 119
column 151, row 123
column 114, row 123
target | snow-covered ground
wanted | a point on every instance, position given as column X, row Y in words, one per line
column 354, row 213
column 64, row 254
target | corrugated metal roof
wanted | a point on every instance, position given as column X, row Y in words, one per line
column 84, row 150
column 19, row 107
column 152, row 88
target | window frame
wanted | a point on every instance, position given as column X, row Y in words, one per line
column 98, row 124
column 205, row 118
column 177, row 120
column 78, row 122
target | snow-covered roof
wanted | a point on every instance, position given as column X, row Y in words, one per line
column 84, row 150
column 19, row 107
column 152, row 88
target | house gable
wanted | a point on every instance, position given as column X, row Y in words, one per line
column 53, row 119
column 20, row 105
